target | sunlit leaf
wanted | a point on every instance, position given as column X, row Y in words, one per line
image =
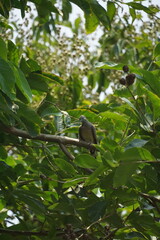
column 111, row 10
column 91, row 22
column 139, row 6
column 109, row 65
column 53, row 78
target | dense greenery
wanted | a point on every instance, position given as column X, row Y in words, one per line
column 50, row 186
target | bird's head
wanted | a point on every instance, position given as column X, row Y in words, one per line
column 82, row 119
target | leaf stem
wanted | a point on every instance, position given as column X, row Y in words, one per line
column 139, row 108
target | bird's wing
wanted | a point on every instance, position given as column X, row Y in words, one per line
column 94, row 134
column 80, row 134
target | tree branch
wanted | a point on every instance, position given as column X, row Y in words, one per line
column 23, row 233
column 47, row 137
column 66, row 152
column 152, row 200
column 30, row 233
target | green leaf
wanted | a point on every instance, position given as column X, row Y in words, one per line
column 157, row 62
column 151, row 80
column 22, row 83
column 100, row 13
column 73, row 182
column 45, row 7
column 24, row 66
column 109, row 65
column 97, row 210
column 113, row 115
column 3, row 153
column 145, row 223
column 123, row 173
column 5, row 7
column 108, row 144
column 23, row 7
column 34, row 66
column 132, row 13
column 136, row 154
column 20, row 169
column 38, row 82
column 77, row 89
column 47, row 110
column 130, row 160
column 32, row 128
column 13, row 53
column 32, row 200
column 77, row 24
column 91, row 23
column 111, row 10
column 53, row 78
column 28, row 113
column 155, row 100
column 135, row 235
column 130, row 104
column 76, row 113
column 91, row 7
column 46, row 77
column 7, row 115
column 66, row 9
column 65, row 166
column 3, row 214
column 136, row 143
column 47, row 107
column 83, row 4
column 7, row 79
column 115, row 220
column 86, row 161
column 93, row 177
column 6, row 170
column 156, row 51
column 3, row 49
column 139, row 6
column 5, row 25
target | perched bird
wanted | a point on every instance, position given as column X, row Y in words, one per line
column 87, row 133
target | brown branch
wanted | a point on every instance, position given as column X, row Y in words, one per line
column 152, row 200
column 150, row 197
column 30, row 233
column 66, row 152
column 47, row 137
column 26, row 233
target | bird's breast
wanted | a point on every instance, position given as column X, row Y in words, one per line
column 87, row 134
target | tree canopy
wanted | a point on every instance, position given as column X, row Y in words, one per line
column 107, row 69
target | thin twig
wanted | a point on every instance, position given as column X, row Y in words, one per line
column 23, row 233
column 146, row 120
column 125, row 131
column 152, row 200
column 66, row 152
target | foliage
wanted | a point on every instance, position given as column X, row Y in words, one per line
column 47, row 81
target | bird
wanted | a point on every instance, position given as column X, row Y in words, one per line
column 87, row 133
